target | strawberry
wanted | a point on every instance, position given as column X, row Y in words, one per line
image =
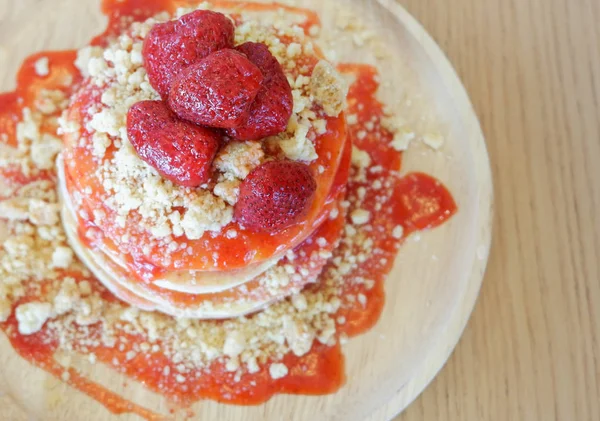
column 218, row 91
column 172, row 46
column 180, row 151
column 275, row 195
column 273, row 105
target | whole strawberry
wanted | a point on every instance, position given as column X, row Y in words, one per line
column 172, row 46
column 273, row 105
column 218, row 91
column 275, row 195
column 180, row 151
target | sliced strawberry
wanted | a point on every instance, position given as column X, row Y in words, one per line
column 218, row 91
column 273, row 105
column 179, row 150
column 275, row 195
column 172, row 46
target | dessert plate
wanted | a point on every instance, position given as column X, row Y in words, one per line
column 436, row 278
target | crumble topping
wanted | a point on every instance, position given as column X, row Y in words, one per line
column 41, row 67
column 360, row 158
column 433, row 140
column 62, row 257
column 295, row 143
column 328, row 88
column 32, row 316
column 50, row 101
column 73, row 305
column 403, row 136
column 351, row 27
column 132, row 186
column 236, row 159
column 37, row 148
column 228, row 190
column 398, row 232
column 360, row 216
column 36, row 249
column 205, row 213
column 278, row 370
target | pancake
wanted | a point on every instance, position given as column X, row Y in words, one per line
column 191, row 282
column 179, row 250
column 246, row 249
column 237, row 301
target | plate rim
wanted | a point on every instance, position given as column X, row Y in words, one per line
column 436, row 357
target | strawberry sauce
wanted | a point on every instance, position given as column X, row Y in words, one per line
column 415, row 202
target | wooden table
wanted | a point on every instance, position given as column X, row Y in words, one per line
column 532, row 348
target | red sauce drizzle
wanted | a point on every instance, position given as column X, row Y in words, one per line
column 417, row 202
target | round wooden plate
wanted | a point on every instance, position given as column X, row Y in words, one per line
column 433, row 286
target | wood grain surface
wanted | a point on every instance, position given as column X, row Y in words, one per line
column 531, row 350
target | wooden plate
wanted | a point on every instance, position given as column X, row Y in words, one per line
column 437, row 275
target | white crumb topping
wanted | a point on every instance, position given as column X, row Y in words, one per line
column 298, row 335
column 44, row 151
column 328, row 88
column 32, row 316
column 360, row 158
column 67, row 296
column 49, row 101
column 360, row 216
column 433, row 140
column 100, row 143
column 362, row 299
column 228, row 190
column 41, row 66
column 398, row 232
column 278, row 371
column 235, row 344
column 402, row 139
column 131, row 187
column 298, row 147
column 237, row 159
column 231, row 233
column 37, row 146
column 37, row 211
column 334, row 213
column 87, row 57
column 307, row 121
column 299, row 302
column 402, row 135
column 62, row 257
column 37, row 241
column 205, row 213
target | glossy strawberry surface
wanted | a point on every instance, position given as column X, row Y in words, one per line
column 172, row 46
column 179, row 150
column 275, row 195
column 218, row 91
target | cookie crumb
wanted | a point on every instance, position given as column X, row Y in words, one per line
column 360, row 216
column 278, row 371
column 42, row 67
column 328, row 88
